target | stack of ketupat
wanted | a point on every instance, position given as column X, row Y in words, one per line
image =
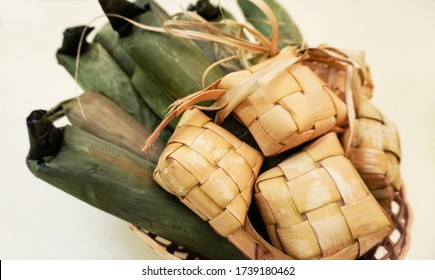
column 278, row 153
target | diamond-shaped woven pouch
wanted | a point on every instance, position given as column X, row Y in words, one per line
column 316, row 206
column 375, row 152
column 210, row 170
column 288, row 110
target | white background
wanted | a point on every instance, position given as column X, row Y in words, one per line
column 37, row 221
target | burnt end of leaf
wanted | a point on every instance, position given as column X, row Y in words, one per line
column 205, row 9
column 45, row 139
column 125, row 9
column 71, row 40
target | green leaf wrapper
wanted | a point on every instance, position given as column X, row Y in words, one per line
column 120, row 183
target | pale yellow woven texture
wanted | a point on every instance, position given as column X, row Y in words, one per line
column 210, row 170
column 375, row 147
column 333, row 72
column 293, row 108
column 375, row 152
column 315, row 205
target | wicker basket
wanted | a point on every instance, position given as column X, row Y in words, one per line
column 393, row 247
column 396, row 245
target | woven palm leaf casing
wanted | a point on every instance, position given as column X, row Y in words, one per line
column 316, row 206
column 375, row 152
column 333, row 72
column 210, row 170
column 292, row 108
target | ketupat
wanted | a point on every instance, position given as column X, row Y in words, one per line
column 316, row 206
column 377, row 159
column 120, row 183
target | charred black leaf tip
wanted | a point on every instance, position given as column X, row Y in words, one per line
column 125, row 9
column 33, row 119
column 146, row 7
column 35, row 116
column 45, row 139
column 205, row 9
column 71, row 40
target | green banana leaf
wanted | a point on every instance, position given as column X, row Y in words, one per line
column 108, row 38
column 159, row 54
column 120, row 183
column 289, row 33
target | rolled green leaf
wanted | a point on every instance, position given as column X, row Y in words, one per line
column 99, row 72
column 101, row 117
column 119, row 182
column 108, row 38
column 176, row 63
column 153, row 93
column 215, row 51
column 289, row 33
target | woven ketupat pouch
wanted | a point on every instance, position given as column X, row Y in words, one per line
column 292, row 108
column 316, row 206
column 375, row 152
column 210, row 170
column 330, row 65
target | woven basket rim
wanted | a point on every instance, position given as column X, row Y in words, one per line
column 409, row 223
column 162, row 250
